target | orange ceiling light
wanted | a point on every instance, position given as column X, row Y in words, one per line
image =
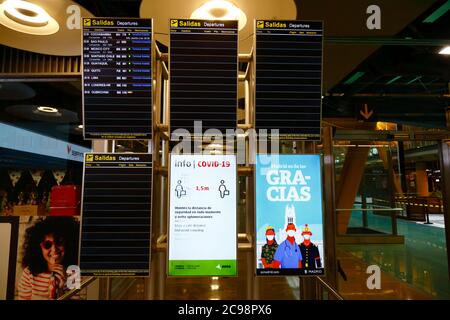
column 47, row 109
column 220, row 10
column 27, row 17
column 445, row 51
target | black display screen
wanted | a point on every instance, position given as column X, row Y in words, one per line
column 203, row 75
column 117, row 78
column 289, row 78
column 116, row 216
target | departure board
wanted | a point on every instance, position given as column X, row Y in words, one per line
column 203, row 75
column 117, row 78
column 288, row 57
column 116, row 216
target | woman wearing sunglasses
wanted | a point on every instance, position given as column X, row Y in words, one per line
column 50, row 246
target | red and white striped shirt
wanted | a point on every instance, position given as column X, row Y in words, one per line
column 40, row 287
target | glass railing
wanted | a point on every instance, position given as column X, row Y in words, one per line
column 372, row 220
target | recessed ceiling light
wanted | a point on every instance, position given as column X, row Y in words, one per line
column 445, row 50
column 47, row 109
column 220, row 10
column 27, row 17
column 26, row 12
column 44, row 113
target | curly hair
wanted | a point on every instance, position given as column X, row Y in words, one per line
column 64, row 227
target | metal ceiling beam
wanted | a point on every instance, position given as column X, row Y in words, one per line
column 401, row 95
column 387, row 41
column 390, row 135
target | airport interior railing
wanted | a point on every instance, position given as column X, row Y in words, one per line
column 325, row 291
column 364, row 220
column 72, row 293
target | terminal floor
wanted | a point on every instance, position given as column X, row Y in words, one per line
column 355, row 285
column 242, row 287
column 416, row 269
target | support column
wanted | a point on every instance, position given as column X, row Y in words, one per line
column 395, row 183
column 252, row 284
column 352, row 173
column 308, row 289
column 421, row 180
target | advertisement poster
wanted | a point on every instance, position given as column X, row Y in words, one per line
column 202, row 225
column 289, row 229
column 47, row 246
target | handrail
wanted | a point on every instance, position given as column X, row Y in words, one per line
column 71, row 293
column 330, row 289
column 374, row 209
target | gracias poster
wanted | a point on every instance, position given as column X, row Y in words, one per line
column 289, row 229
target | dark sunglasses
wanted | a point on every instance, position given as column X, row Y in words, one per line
column 47, row 244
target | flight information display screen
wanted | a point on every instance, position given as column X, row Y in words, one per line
column 116, row 216
column 288, row 56
column 203, row 75
column 117, row 78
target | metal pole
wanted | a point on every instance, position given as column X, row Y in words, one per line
column 427, row 214
column 444, row 152
column 330, row 219
column 364, row 204
column 394, row 222
column 401, row 162
column 108, row 288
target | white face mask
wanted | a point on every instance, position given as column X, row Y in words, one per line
column 291, row 233
column 306, row 236
column 270, row 238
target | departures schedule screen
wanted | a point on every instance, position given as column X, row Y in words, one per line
column 116, row 216
column 117, row 78
column 288, row 58
column 203, row 75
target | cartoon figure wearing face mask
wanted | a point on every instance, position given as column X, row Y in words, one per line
column 268, row 250
column 288, row 255
column 310, row 251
